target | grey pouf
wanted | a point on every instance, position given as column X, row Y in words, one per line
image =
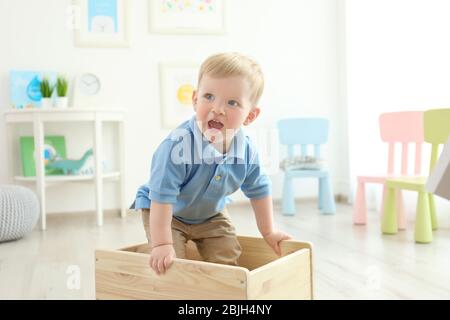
column 19, row 212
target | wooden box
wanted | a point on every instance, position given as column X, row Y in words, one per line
column 261, row 274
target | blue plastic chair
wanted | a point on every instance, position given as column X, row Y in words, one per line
column 304, row 132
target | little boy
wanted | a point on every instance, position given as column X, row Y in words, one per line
column 202, row 162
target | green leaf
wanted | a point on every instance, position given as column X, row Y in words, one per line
column 46, row 88
column 62, row 86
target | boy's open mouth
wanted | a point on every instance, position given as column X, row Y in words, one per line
column 213, row 124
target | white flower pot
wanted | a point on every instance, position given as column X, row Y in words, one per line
column 47, row 103
column 62, row 102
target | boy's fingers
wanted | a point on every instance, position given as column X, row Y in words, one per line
column 284, row 237
column 150, row 261
column 154, row 266
column 161, row 265
column 276, row 248
column 167, row 261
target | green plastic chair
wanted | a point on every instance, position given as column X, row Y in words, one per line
column 436, row 132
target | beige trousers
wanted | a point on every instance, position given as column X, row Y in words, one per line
column 215, row 239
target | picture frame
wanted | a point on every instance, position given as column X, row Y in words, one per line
column 187, row 17
column 25, row 90
column 178, row 80
column 53, row 146
column 101, row 23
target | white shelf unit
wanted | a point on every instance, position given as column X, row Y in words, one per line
column 38, row 117
column 49, row 180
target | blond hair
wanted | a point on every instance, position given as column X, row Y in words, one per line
column 235, row 64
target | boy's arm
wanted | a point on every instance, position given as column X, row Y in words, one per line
column 263, row 209
column 160, row 223
column 163, row 253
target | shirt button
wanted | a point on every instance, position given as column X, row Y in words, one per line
column 218, row 178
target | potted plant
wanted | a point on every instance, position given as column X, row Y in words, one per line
column 61, row 90
column 46, row 93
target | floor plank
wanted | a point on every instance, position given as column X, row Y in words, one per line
column 351, row 262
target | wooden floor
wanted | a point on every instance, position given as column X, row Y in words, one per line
column 351, row 262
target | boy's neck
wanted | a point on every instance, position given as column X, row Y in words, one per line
column 222, row 147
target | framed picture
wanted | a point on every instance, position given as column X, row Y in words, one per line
column 177, row 84
column 54, row 146
column 101, row 23
column 187, row 16
column 25, row 87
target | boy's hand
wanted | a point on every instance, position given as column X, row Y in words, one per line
column 161, row 258
column 274, row 238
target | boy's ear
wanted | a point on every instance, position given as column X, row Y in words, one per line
column 253, row 114
column 194, row 99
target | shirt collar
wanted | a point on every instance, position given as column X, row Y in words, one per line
column 205, row 148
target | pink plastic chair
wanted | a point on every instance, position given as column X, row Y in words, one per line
column 395, row 127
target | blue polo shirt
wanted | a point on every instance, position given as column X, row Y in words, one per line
column 188, row 172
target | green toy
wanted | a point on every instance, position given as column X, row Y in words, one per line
column 70, row 166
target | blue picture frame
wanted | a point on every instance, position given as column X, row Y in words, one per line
column 25, row 87
column 102, row 16
column 101, row 23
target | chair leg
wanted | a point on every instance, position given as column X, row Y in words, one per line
column 434, row 222
column 288, row 197
column 401, row 215
column 329, row 207
column 423, row 232
column 360, row 209
column 389, row 219
column 320, row 197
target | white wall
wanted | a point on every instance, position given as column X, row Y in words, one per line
column 295, row 41
column 397, row 60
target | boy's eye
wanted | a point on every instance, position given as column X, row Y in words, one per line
column 233, row 103
column 209, row 97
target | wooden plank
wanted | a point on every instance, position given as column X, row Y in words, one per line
column 140, row 248
column 256, row 252
column 286, row 278
column 127, row 274
column 191, row 250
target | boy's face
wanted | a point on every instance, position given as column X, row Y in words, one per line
column 222, row 106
